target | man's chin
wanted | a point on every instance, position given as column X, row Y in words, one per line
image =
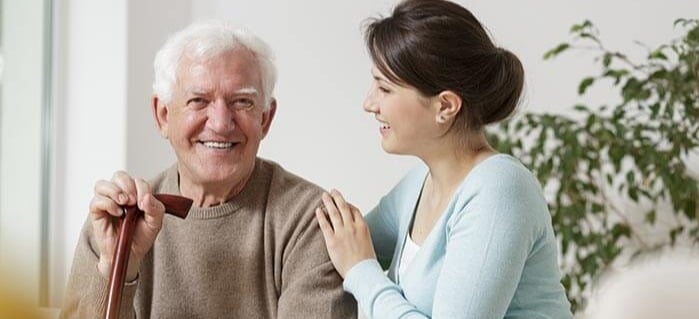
column 226, row 173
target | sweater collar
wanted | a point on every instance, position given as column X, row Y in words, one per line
column 252, row 196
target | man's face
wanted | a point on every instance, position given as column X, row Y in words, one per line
column 216, row 118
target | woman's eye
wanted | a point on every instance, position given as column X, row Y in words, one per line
column 384, row 90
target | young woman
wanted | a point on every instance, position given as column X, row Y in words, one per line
column 467, row 235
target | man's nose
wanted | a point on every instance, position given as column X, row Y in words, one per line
column 221, row 117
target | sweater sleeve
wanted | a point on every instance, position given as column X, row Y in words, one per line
column 489, row 237
column 311, row 288
column 86, row 292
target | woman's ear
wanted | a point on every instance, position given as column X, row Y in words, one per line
column 160, row 113
column 448, row 106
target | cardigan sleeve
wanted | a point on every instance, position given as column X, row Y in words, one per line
column 385, row 219
column 383, row 227
column 488, row 244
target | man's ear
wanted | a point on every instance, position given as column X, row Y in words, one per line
column 268, row 116
column 160, row 113
column 448, row 105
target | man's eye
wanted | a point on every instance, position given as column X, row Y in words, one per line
column 243, row 104
column 197, row 102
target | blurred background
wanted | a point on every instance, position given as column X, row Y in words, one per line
column 76, row 87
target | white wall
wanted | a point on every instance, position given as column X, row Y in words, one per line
column 103, row 72
column 324, row 72
column 20, row 145
column 320, row 132
column 90, row 79
column 147, row 152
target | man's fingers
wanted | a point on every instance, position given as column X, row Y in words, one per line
column 142, row 189
column 153, row 211
column 101, row 204
column 152, row 207
column 127, row 185
column 111, row 190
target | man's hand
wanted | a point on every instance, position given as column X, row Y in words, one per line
column 105, row 210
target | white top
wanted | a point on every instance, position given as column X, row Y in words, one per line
column 409, row 251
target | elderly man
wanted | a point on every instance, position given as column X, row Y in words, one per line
column 250, row 247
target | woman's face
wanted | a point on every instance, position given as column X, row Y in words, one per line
column 406, row 117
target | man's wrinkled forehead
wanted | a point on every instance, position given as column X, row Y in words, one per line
column 198, row 90
column 201, row 72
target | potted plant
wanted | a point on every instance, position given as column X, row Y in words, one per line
column 635, row 151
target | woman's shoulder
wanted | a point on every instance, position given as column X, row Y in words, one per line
column 410, row 183
column 501, row 172
column 503, row 183
column 405, row 192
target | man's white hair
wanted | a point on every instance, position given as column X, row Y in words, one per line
column 208, row 39
column 656, row 286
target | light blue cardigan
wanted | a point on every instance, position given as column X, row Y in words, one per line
column 492, row 253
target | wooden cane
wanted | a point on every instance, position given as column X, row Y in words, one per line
column 174, row 205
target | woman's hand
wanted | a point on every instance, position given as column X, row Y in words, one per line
column 345, row 231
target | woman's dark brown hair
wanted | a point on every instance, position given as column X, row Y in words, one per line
column 437, row 45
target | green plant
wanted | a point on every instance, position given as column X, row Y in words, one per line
column 634, row 152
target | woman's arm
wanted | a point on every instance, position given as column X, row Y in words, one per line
column 489, row 239
column 383, row 227
column 350, row 248
column 488, row 243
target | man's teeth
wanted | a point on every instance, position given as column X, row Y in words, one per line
column 218, row 145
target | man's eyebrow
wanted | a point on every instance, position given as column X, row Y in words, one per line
column 247, row 90
column 196, row 91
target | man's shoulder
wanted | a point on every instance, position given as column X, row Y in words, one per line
column 165, row 181
column 286, row 185
column 290, row 197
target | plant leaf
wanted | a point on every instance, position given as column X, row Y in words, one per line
column 556, row 51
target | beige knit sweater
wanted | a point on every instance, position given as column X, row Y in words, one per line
column 259, row 255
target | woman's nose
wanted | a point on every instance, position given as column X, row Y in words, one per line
column 370, row 103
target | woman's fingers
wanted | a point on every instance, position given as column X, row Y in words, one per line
column 343, row 207
column 357, row 216
column 332, row 211
column 344, row 230
column 325, row 226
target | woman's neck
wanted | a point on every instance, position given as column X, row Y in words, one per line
column 449, row 162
